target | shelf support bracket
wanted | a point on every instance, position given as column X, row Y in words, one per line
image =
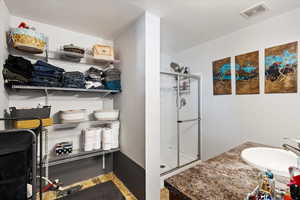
column 46, row 97
column 106, row 94
column 103, row 161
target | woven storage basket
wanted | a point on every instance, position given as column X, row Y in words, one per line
column 28, row 40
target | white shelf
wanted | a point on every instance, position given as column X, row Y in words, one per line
column 25, row 87
column 57, row 55
column 79, row 155
column 75, row 124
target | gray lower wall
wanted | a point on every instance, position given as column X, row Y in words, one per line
column 76, row 171
column 131, row 174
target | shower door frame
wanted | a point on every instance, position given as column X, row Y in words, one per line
column 198, row 79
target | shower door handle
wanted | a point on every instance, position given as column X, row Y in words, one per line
column 188, row 120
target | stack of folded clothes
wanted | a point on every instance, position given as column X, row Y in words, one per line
column 17, row 70
column 73, row 80
column 47, row 75
column 94, row 78
column 113, row 79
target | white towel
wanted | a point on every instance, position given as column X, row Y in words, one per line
column 107, row 139
column 115, row 126
column 92, row 139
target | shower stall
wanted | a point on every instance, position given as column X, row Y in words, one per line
column 180, row 120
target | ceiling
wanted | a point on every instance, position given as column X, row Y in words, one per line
column 185, row 23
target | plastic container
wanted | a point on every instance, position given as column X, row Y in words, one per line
column 106, row 114
column 73, row 116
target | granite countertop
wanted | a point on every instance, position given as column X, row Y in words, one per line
column 225, row 177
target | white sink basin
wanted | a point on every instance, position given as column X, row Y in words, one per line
column 276, row 160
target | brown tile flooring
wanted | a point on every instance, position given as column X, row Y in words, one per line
column 164, row 193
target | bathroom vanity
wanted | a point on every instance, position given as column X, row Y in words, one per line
column 223, row 177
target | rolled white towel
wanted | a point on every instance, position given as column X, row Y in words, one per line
column 107, row 139
column 88, row 139
column 115, row 126
column 98, row 135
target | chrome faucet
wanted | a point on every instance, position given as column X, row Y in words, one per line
column 295, row 150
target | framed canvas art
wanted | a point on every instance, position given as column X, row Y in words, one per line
column 222, row 76
column 247, row 73
column 281, row 63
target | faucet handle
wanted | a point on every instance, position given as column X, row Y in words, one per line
column 293, row 140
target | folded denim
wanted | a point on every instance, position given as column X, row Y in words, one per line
column 46, row 81
column 19, row 66
column 57, row 75
column 43, row 66
column 74, row 80
column 74, row 75
column 8, row 75
column 73, row 85
column 45, row 78
column 46, row 84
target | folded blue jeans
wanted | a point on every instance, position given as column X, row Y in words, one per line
column 43, row 66
column 55, row 74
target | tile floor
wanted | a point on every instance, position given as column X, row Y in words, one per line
column 164, row 193
column 97, row 180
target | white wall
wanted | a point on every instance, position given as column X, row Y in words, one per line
column 61, row 100
column 4, row 26
column 231, row 120
column 152, row 106
column 130, row 49
column 138, row 48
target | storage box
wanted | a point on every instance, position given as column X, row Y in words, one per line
column 103, row 52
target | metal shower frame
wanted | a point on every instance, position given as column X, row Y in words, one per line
column 198, row 79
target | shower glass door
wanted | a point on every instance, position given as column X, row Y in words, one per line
column 188, row 120
column 168, row 128
column 180, row 120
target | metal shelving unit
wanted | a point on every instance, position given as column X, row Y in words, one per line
column 58, row 55
column 79, row 156
column 86, row 59
column 74, row 124
column 26, row 87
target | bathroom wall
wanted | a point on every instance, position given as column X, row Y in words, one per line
column 233, row 119
column 4, row 26
column 64, row 100
column 138, row 48
column 130, row 49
